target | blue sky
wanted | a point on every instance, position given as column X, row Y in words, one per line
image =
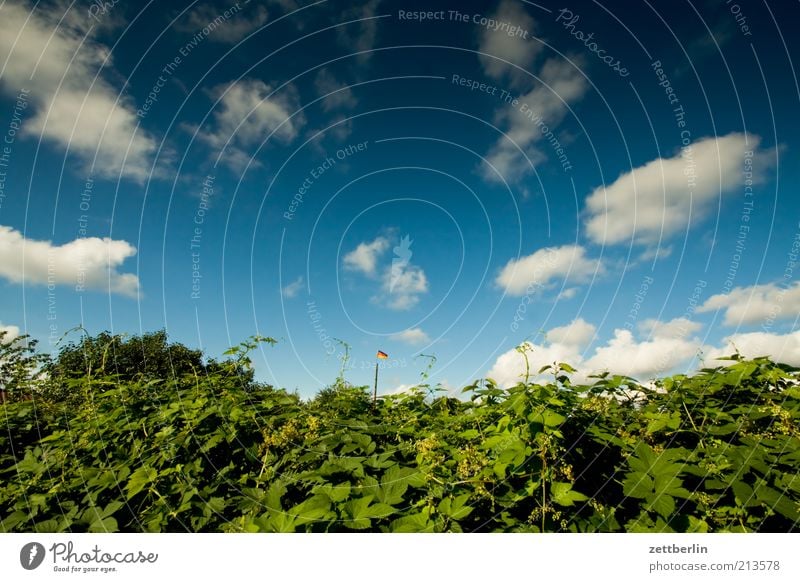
column 613, row 185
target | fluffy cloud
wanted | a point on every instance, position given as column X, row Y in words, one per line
column 231, row 31
column 561, row 84
column 783, row 348
column 75, row 108
column 509, row 368
column 414, row 336
column 756, row 304
column 578, row 333
column 90, row 262
column 517, row 50
column 339, row 95
column 11, row 331
column 364, row 258
column 293, row 288
column 402, row 283
column 402, row 286
column 661, row 348
column 664, row 196
column 623, row 354
column 568, row 293
column 360, row 36
column 676, row 328
column 245, row 116
column 547, row 265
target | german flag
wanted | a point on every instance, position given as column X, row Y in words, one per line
column 381, row 355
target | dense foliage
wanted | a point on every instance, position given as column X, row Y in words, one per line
column 717, row 451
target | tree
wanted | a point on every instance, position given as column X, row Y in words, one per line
column 147, row 357
column 21, row 368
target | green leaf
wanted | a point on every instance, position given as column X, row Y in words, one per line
column 312, row 509
column 361, row 510
column 638, row 485
column 414, row 523
column 664, row 505
column 563, row 494
column 108, row 524
column 395, row 482
column 140, row 479
column 455, row 507
column 336, row 493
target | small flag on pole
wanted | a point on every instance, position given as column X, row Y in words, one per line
column 381, row 355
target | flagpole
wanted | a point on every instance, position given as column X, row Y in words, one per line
column 375, row 392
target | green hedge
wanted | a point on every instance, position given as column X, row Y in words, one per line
column 717, row 451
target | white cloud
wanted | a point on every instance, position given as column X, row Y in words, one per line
column 783, row 348
column 536, row 271
column 246, row 115
column 364, row 258
column 414, row 336
column 756, row 304
column 360, row 36
column 655, row 253
column 91, row 262
column 73, row 107
column 663, row 196
column 231, row 31
column 11, row 332
column 402, row 286
column 568, row 293
column 339, row 95
column 561, row 84
column 671, row 347
column 676, row 328
column 515, row 49
column 402, row 282
column 622, row 354
column 626, row 355
column 509, row 368
column 293, row 288
column 578, row 333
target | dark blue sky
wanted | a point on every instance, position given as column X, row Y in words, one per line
column 611, row 182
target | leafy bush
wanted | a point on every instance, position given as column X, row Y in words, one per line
column 20, row 366
column 717, row 451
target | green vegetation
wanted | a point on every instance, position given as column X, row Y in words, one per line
column 140, row 435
